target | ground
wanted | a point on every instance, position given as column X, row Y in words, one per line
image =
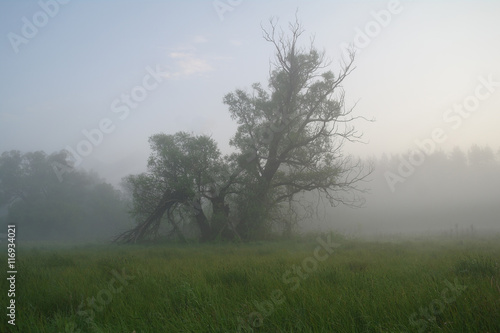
column 321, row 283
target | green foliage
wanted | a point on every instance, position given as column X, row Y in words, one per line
column 477, row 266
column 183, row 161
column 294, row 133
column 289, row 141
column 58, row 260
column 227, row 277
column 361, row 287
column 182, row 169
column 43, row 207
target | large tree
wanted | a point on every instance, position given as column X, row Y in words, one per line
column 295, row 130
column 290, row 140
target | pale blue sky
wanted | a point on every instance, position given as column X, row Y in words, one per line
column 66, row 77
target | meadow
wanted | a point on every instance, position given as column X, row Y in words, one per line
column 300, row 285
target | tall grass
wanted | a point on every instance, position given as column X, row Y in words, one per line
column 362, row 287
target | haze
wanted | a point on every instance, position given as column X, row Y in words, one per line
column 70, row 77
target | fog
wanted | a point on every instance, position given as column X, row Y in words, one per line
column 97, row 79
column 448, row 194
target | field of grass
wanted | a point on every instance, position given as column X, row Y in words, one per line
column 288, row 286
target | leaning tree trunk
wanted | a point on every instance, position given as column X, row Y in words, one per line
column 150, row 226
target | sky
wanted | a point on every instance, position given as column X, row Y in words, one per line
column 100, row 77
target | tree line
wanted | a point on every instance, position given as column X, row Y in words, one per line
column 459, row 187
column 43, row 207
column 289, row 144
column 289, row 141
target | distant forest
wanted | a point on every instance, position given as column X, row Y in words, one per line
column 457, row 188
column 79, row 207
column 453, row 192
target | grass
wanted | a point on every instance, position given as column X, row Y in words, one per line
column 363, row 286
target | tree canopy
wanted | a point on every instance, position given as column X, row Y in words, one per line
column 290, row 140
column 44, row 207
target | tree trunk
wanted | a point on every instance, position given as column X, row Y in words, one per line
column 202, row 222
column 220, row 219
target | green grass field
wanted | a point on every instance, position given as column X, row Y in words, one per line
column 287, row 286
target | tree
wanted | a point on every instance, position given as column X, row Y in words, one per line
column 458, row 157
column 43, row 207
column 184, row 172
column 481, row 155
column 28, row 176
column 289, row 141
column 296, row 132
